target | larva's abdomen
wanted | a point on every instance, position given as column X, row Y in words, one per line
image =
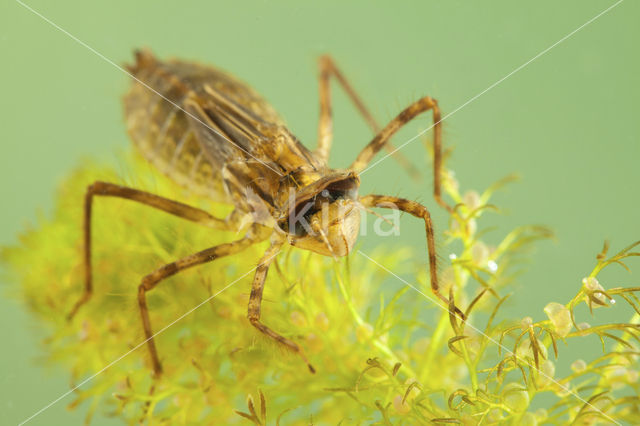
column 161, row 130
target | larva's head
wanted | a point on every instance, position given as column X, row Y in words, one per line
column 324, row 216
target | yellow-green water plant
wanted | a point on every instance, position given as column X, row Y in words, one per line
column 385, row 354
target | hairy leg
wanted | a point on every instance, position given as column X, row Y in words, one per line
column 421, row 212
column 382, row 139
column 153, row 279
column 112, row 190
column 329, row 69
column 255, row 302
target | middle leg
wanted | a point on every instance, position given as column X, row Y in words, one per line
column 421, row 212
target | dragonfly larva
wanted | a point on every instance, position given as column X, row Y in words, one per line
column 213, row 134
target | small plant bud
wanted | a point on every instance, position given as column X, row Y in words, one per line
column 401, row 407
column 528, row 419
column 472, row 226
column 364, row 332
column 515, row 397
column 617, row 377
column 546, row 373
column 525, row 350
column 314, row 343
column 471, row 199
column 322, row 321
column 421, row 345
column 451, row 181
column 624, row 361
column 591, row 284
column 464, row 229
column 84, row 332
column 526, row 322
column 562, row 390
column 480, row 253
column 541, row 414
column 495, row 415
column 383, row 338
column 578, row 365
column 298, row 319
column 560, row 318
column 593, row 414
column 584, row 326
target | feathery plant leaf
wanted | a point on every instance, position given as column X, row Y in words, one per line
column 385, row 355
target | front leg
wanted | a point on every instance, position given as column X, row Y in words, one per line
column 421, row 212
column 255, row 302
column 361, row 163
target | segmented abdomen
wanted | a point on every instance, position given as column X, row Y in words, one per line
column 161, row 130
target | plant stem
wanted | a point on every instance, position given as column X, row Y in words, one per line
column 376, row 341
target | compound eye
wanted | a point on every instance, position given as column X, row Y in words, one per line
column 332, row 194
column 345, row 189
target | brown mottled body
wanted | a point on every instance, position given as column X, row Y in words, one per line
column 199, row 121
column 217, row 137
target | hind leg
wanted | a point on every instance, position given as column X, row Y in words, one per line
column 329, row 69
column 106, row 189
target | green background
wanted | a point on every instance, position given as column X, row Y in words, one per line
column 568, row 122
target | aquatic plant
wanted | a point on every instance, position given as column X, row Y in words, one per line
column 386, row 352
